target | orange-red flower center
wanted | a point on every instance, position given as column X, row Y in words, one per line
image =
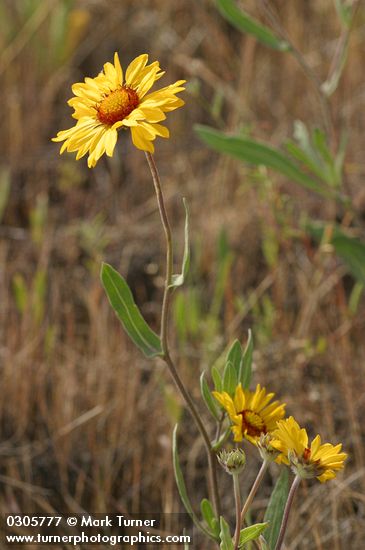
column 306, row 453
column 117, row 105
column 252, row 423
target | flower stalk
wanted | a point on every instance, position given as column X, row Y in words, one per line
column 288, row 506
column 237, row 499
column 254, row 489
column 164, row 335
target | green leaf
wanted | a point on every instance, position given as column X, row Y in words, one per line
column 251, row 533
column 350, row 249
column 275, row 509
column 230, row 378
column 217, row 444
column 303, row 157
column 225, row 535
column 243, row 22
column 235, row 356
column 208, row 398
column 121, row 300
column 217, row 379
column 178, row 280
column 259, row 154
column 319, row 140
column 245, row 373
column 182, row 487
column 209, row 516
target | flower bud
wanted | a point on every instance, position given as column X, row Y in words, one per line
column 266, row 450
column 232, row 461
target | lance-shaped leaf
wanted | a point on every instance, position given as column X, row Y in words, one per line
column 235, row 356
column 217, row 379
column 243, row 22
column 275, row 509
column 209, row 400
column 245, row 373
column 230, row 378
column 209, row 516
column 182, row 487
column 121, row 300
column 259, row 154
column 251, row 533
column 225, row 535
column 179, row 279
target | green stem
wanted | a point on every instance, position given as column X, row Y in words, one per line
column 237, row 499
column 169, row 251
column 288, row 505
column 164, row 335
column 254, row 489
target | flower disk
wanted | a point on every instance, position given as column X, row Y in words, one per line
column 314, row 460
column 108, row 102
column 251, row 413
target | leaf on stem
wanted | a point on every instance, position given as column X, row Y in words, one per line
column 208, row 398
column 230, row 378
column 182, row 487
column 209, row 516
column 251, row 533
column 259, row 154
column 179, row 279
column 217, row 379
column 245, row 373
column 235, row 355
column 121, row 300
column 225, row 536
column 244, row 23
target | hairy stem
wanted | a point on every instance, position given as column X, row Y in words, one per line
column 237, row 499
column 164, row 335
column 254, row 489
column 288, row 505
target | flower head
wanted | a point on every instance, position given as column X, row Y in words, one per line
column 266, row 450
column 307, row 460
column 251, row 413
column 232, row 461
column 105, row 104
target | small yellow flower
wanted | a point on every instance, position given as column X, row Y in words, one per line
column 250, row 412
column 105, row 104
column 307, row 461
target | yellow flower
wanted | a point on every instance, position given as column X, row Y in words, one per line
column 250, row 412
column 109, row 102
column 314, row 460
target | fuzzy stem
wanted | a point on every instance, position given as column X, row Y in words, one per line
column 288, row 505
column 237, row 499
column 254, row 489
column 164, row 335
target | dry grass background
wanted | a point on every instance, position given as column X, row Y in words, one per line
column 85, row 421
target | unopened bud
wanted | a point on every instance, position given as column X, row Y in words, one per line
column 266, row 450
column 232, row 461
